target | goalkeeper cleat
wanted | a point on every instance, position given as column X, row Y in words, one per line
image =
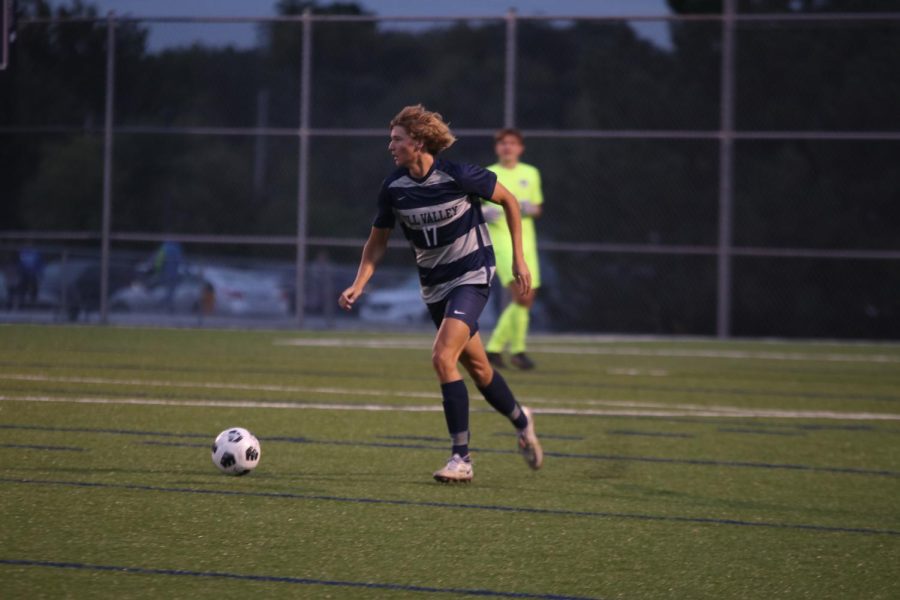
column 522, row 361
column 496, row 360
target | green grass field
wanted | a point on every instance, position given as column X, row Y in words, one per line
column 674, row 469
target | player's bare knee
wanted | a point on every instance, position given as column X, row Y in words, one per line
column 442, row 360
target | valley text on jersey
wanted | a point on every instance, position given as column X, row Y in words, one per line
column 441, row 217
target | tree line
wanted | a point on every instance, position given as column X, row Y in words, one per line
column 798, row 76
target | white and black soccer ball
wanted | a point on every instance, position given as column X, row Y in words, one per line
column 236, row 451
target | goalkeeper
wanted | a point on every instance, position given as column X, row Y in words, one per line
column 524, row 181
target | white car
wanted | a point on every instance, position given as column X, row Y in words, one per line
column 403, row 305
column 148, row 295
column 246, row 292
column 237, row 292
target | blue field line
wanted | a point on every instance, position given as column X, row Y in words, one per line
column 102, row 430
column 41, row 447
column 415, row 438
column 760, row 431
column 400, row 587
column 705, row 462
column 175, row 444
column 816, row 427
column 762, row 424
column 701, row 462
column 453, row 505
column 805, row 426
column 648, row 433
column 544, row 436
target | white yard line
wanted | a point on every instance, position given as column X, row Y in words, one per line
column 631, row 372
column 157, row 383
column 435, row 408
column 727, row 354
column 251, row 387
column 378, row 344
column 221, row 403
column 402, row 344
column 614, row 407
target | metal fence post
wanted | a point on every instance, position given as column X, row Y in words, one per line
column 303, row 167
column 726, row 173
column 63, row 285
column 509, row 83
column 260, row 147
column 107, row 164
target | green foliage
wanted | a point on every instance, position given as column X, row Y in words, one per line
column 47, row 205
column 583, row 75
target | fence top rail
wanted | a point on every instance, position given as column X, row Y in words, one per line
column 615, row 134
column 709, row 17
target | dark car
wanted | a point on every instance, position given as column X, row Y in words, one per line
column 73, row 287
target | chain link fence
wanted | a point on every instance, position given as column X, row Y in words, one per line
column 725, row 173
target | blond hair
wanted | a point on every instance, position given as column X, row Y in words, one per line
column 425, row 126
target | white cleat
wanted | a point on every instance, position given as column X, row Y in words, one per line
column 529, row 444
column 457, row 470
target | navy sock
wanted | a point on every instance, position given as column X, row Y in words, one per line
column 498, row 395
column 456, row 411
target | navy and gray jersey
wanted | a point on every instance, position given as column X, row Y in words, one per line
column 441, row 217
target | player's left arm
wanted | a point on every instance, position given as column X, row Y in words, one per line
column 504, row 198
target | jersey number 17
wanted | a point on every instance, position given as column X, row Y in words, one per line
column 431, row 238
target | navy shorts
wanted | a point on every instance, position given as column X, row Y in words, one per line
column 464, row 303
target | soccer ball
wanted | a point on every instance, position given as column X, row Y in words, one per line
column 236, row 451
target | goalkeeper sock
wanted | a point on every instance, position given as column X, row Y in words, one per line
column 502, row 330
column 521, row 320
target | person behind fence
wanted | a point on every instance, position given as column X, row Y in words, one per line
column 10, row 274
column 524, row 181
column 30, row 269
column 437, row 203
column 167, row 268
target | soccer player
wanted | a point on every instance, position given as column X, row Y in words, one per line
column 524, row 181
column 437, row 203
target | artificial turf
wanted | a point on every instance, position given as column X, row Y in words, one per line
column 675, row 469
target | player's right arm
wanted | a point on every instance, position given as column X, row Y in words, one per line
column 372, row 254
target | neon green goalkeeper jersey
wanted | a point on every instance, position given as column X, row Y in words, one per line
column 524, row 181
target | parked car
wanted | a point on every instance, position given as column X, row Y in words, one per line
column 246, row 292
column 403, row 304
column 236, row 292
column 148, row 294
column 74, row 286
column 324, row 281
